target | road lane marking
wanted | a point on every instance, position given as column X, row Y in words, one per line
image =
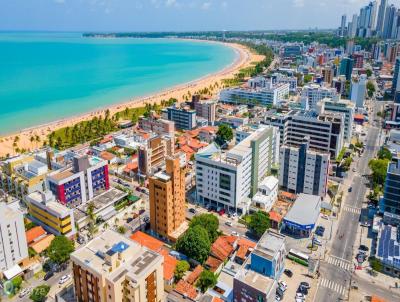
column 353, row 210
column 342, row 263
column 336, row 287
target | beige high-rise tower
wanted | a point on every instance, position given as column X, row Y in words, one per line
column 167, row 199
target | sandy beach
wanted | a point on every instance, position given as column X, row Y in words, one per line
column 244, row 58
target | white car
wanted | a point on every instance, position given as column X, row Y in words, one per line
column 24, row 292
column 234, row 233
column 316, row 241
column 283, row 286
column 300, row 296
column 229, row 223
column 325, row 217
column 64, row 279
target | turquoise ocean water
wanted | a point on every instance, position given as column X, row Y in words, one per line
column 48, row 76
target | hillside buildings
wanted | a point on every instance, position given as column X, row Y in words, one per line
column 13, row 246
column 111, row 268
column 167, row 199
column 303, row 170
column 228, row 179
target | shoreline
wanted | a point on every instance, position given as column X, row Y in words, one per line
column 244, row 58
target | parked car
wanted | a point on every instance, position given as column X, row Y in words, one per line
column 288, row 273
column 305, row 285
column 300, row 296
column 283, row 286
column 24, row 292
column 192, row 210
column 277, row 298
column 316, row 241
column 302, row 290
column 234, row 233
column 325, row 216
column 350, row 189
column 229, row 223
column 221, row 212
column 48, row 275
column 363, row 248
column 64, row 279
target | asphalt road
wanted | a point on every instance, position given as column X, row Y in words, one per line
column 334, row 283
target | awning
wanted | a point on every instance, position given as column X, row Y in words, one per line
column 12, row 272
column 326, row 206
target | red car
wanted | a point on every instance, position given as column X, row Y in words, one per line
column 221, row 212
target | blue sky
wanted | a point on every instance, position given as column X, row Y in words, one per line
column 177, row 15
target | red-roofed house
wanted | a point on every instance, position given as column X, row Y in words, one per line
column 223, row 247
column 192, row 278
column 214, row 265
column 169, row 267
column 186, row 290
column 187, row 150
column 109, row 157
column 275, row 219
column 34, row 234
column 147, row 241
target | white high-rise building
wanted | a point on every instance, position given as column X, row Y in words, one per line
column 228, row 179
column 381, row 17
column 313, row 93
column 343, row 26
column 13, row 246
column 303, row 170
column 358, row 89
column 353, row 30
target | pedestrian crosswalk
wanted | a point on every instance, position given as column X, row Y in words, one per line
column 336, row 287
column 343, row 263
column 352, row 210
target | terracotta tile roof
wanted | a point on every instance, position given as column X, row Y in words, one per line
column 187, row 289
column 209, row 129
column 223, row 247
column 106, row 139
column 288, row 195
column 107, row 155
column 169, row 264
column 43, row 244
column 133, row 166
column 213, row 263
column 377, row 299
column 147, row 241
column 359, row 117
column 242, row 252
column 34, row 233
column 249, row 243
column 192, row 133
column 275, row 216
column 192, row 278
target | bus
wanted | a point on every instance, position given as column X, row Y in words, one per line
column 298, row 257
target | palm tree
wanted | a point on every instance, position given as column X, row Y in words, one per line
column 106, row 226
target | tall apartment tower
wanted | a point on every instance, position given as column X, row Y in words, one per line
column 343, row 26
column 167, row 199
column 112, row 268
column 381, row 17
column 13, row 246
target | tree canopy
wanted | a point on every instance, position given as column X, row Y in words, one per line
column 209, row 222
column 180, row 269
column 206, row 280
column 39, row 293
column 60, row 249
column 384, row 153
column 195, row 243
column 224, row 134
column 379, row 170
column 259, row 223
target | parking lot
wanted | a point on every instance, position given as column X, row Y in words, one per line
column 299, row 275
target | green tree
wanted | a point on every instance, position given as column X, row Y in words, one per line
column 379, row 170
column 195, row 243
column 370, row 88
column 60, row 249
column 307, row 78
column 224, row 134
column 259, row 222
column 384, row 153
column 121, row 229
column 180, row 269
column 206, row 280
column 209, row 222
column 39, row 293
column 17, row 282
column 369, row 72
